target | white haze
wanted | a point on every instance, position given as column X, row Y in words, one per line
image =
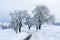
column 7, row 6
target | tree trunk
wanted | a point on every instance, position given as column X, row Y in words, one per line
column 39, row 26
column 20, row 27
column 36, row 27
column 29, row 27
column 15, row 29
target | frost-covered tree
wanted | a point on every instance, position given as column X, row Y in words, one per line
column 42, row 15
column 50, row 19
column 17, row 17
column 28, row 21
column 14, row 21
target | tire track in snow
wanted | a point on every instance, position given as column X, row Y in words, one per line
column 28, row 37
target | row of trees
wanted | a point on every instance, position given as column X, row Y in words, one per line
column 41, row 15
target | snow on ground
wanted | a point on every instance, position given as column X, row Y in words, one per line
column 47, row 32
column 9, row 34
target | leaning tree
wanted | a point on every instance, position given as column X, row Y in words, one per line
column 42, row 15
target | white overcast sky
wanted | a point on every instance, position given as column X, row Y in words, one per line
column 6, row 6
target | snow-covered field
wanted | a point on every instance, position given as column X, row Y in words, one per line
column 47, row 32
column 9, row 34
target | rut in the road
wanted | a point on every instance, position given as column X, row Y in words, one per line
column 27, row 38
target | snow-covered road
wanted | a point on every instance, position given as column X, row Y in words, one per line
column 46, row 33
column 37, row 36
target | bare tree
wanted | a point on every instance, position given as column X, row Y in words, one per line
column 28, row 21
column 17, row 17
column 41, row 15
